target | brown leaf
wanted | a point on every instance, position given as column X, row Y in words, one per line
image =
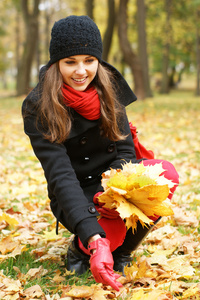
column 34, row 292
column 7, row 245
column 57, row 278
column 36, row 273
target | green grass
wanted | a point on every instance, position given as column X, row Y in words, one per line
column 26, row 261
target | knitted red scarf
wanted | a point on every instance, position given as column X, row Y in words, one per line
column 85, row 103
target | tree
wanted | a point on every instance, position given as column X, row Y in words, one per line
column 198, row 51
column 89, row 5
column 17, row 33
column 31, row 38
column 166, row 48
column 129, row 55
column 107, row 39
column 142, row 45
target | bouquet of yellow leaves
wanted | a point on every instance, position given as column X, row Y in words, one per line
column 137, row 192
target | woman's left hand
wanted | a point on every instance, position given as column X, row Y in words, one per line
column 101, row 263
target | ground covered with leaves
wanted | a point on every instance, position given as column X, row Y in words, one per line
column 32, row 256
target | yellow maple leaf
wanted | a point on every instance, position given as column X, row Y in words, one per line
column 129, row 210
column 192, row 291
column 10, row 220
column 142, row 269
column 152, row 192
column 147, row 296
column 118, row 180
column 132, row 222
column 135, row 193
column 50, row 235
column 130, row 168
column 137, row 270
column 139, row 181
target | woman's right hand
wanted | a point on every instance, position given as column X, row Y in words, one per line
column 104, row 212
column 101, row 263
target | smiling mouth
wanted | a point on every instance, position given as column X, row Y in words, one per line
column 80, row 80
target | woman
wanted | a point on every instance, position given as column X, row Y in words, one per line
column 76, row 121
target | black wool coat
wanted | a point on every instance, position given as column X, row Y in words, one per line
column 73, row 169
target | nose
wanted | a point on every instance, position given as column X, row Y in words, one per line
column 80, row 70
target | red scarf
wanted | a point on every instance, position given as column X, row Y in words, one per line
column 85, row 103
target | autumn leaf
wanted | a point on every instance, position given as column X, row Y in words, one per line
column 50, row 235
column 7, row 245
column 57, row 278
column 93, row 292
column 34, row 292
column 12, row 222
column 119, row 180
column 156, row 294
column 192, row 291
column 36, row 273
column 135, row 193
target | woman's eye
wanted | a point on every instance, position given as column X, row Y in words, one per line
column 69, row 62
column 90, row 60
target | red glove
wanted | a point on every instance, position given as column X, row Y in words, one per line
column 104, row 212
column 101, row 263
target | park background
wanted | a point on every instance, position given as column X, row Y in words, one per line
column 156, row 46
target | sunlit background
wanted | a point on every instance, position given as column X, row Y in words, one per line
column 154, row 43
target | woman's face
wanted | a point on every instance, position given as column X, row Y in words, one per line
column 78, row 71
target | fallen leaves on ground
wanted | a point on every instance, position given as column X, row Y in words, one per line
column 165, row 266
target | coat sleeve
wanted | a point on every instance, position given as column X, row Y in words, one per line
column 79, row 214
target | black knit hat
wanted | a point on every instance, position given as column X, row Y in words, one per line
column 75, row 35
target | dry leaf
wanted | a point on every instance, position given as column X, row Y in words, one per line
column 135, row 193
column 34, row 292
column 10, row 220
column 7, row 245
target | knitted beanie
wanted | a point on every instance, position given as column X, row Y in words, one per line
column 75, row 35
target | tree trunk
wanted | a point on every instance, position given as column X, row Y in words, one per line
column 38, row 55
column 31, row 37
column 142, row 43
column 198, row 53
column 48, row 13
column 17, row 36
column 89, row 5
column 107, row 40
column 166, row 49
column 129, row 56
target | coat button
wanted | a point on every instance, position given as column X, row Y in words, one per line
column 86, row 159
column 89, row 177
column 111, row 148
column 83, row 140
column 91, row 209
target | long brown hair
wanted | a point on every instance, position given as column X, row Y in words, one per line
column 56, row 115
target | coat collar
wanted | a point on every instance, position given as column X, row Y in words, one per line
column 124, row 92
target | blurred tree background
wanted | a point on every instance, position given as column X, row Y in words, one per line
column 154, row 43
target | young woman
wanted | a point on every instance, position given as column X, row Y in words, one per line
column 76, row 121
